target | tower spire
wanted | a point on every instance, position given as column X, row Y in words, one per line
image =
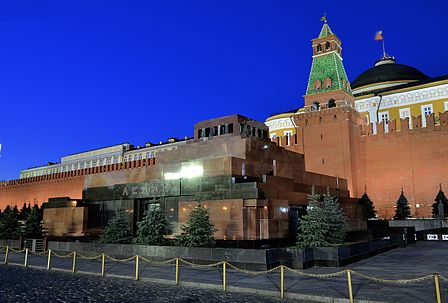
column 328, row 79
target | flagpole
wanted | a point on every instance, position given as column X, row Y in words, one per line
column 384, row 49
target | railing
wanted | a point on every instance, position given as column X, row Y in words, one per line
column 224, row 267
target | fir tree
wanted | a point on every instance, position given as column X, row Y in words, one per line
column 337, row 221
column 117, row 230
column 325, row 222
column 33, row 224
column 402, row 211
column 153, row 227
column 369, row 208
column 9, row 224
column 197, row 231
column 435, row 206
column 313, row 226
column 23, row 212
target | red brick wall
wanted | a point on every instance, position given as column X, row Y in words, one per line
column 67, row 184
column 39, row 191
column 413, row 159
column 416, row 160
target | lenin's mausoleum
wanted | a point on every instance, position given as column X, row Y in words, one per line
column 384, row 132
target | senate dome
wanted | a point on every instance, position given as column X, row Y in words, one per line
column 385, row 73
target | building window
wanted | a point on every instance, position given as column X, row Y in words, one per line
column 384, row 118
column 327, row 82
column 315, row 106
column 445, row 105
column 319, row 48
column 230, row 128
column 331, row 103
column 317, row 85
column 406, row 113
column 426, row 111
column 327, row 45
column 288, row 135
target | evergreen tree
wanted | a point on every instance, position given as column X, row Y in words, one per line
column 152, row 228
column 325, row 222
column 117, row 230
column 435, row 206
column 313, row 226
column 369, row 208
column 402, row 211
column 197, row 231
column 9, row 224
column 33, row 224
column 337, row 221
column 23, row 214
column 16, row 210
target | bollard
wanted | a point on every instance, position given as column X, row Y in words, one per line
column 102, row 264
column 6, row 255
column 437, row 285
column 74, row 262
column 49, row 259
column 282, row 281
column 26, row 258
column 224, row 264
column 350, row 290
column 177, row 271
column 136, row 268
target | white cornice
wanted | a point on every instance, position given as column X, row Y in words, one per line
column 281, row 123
column 404, row 98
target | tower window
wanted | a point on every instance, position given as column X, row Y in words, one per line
column 327, row 45
column 327, row 82
column 319, row 48
column 331, row 103
column 318, row 84
column 315, row 106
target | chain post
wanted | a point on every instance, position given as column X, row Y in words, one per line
column 6, row 255
column 136, row 268
column 177, row 271
column 74, row 262
column 224, row 282
column 49, row 259
column 103, row 259
column 26, row 258
column 350, row 290
column 282, row 281
column 437, row 285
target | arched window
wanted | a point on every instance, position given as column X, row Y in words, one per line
column 327, row 82
column 317, row 85
column 315, row 106
column 327, row 45
column 319, row 48
column 331, row 103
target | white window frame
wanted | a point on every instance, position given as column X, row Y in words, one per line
column 288, row 134
column 386, row 125
column 406, row 113
column 424, row 113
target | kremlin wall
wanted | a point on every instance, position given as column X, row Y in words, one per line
column 380, row 136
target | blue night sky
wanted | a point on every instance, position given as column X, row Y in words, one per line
column 79, row 75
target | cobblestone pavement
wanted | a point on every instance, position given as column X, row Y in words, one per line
column 19, row 284
column 417, row 260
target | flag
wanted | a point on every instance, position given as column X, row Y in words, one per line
column 324, row 18
column 379, row 36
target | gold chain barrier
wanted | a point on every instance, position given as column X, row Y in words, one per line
column 397, row 282
column 225, row 265
column 200, row 265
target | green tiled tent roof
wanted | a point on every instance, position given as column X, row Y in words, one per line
column 325, row 31
column 327, row 65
